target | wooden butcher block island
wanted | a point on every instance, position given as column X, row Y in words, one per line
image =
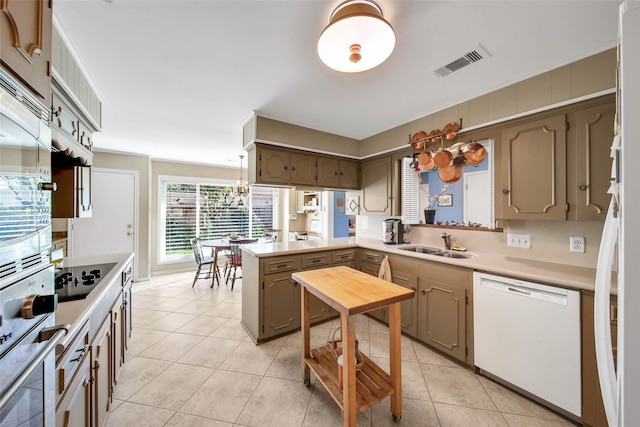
column 352, row 292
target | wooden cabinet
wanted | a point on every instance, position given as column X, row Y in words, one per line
column 283, row 166
column 73, row 378
column 404, row 272
column 592, row 407
column 73, row 196
column 589, row 162
column 25, row 43
column 74, row 410
column 117, row 358
column 534, row 170
column 349, row 174
column 376, row 178
column 101, row 350
column 281, row 299
column 445, row 316
column 273, row 166
column 303, row 169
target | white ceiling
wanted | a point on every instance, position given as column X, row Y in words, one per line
column 178, row 78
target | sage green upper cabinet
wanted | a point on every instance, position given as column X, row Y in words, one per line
column 376, row 186
column 25, row 43
column 590, row 156
column 349, row 174
column 284, row 166
column 328, row 172
column 534, row 170
column 273, row 166
column 303, row 169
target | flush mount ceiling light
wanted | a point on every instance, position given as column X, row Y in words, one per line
column 357, row 38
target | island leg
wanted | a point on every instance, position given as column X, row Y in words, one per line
column 306, row 342
column 395, row 361
column 349, row 410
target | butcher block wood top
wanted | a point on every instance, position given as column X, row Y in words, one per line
column 351, row 291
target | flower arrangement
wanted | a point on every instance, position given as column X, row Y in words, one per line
column 432, row 201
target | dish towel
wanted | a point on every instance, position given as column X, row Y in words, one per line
column 385, row 270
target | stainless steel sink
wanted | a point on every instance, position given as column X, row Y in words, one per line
column 422, row 250
column 454, row 255
column 435, row 251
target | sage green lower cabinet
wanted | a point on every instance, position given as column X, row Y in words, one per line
column 369, row 262
column 445, row 316
column 404, row 272
column 281, row 303
column 271, row 298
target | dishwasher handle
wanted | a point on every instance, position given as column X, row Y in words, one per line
column 559, row 297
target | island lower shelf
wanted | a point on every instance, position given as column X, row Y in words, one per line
column 372, row 383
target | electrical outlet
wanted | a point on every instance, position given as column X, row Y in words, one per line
column 519, row 240
column 576, row 244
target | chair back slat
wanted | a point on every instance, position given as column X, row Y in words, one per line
column 235, row 252
column 196, row 244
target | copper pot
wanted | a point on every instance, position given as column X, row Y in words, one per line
column 451, row 130
column 434, row 135
column 418, row 139
column 450, row 174
column 475, row 153
column 442, row 158
column 424, row 158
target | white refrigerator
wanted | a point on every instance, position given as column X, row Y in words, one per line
column 621, row 389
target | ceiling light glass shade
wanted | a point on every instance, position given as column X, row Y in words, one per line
column 357, row 38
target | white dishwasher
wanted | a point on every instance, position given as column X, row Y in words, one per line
column 528, row 335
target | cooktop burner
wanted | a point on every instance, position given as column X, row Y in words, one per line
column 74, row 283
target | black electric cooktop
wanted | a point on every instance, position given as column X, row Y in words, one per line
column 74, row 283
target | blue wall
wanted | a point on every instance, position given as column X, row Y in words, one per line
column 455, row 211
column 340, row 219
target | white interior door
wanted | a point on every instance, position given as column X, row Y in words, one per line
column 477, row 198
column 112, row 228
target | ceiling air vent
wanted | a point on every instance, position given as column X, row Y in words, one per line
column 467, row 59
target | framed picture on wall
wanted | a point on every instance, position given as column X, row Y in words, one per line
column 445, row 200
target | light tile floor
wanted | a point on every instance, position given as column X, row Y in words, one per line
column 191, row 363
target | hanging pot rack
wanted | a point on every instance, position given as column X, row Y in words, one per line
column 461, row 153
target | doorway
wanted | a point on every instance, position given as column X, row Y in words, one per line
column 112, row 228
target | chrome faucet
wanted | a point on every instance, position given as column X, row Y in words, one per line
column 447, row 240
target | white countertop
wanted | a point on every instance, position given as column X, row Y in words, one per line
column 537, row 271
column 76, row 313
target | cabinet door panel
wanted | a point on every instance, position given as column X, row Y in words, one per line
column 594, row 133
column 376, row 186
column 274, row 166
column 74, row 409
column 25, row 43
column 303, row 169
column 409, row 308
column 349, row 174
column 442, row 317
column 282, row 304
column 534, row 170
column 328, row 172
column 101, row 353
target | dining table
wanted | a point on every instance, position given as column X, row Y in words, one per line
column 218, row 245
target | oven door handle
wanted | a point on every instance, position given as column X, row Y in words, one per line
column 53, row 340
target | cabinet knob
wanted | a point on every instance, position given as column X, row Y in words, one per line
column 423, row 292
column 505, row 191
column 49, row 186
column 582, row 187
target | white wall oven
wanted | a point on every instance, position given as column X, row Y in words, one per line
column 27, row 300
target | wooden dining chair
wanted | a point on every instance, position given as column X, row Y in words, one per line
column 201, row 260
column 234, row 259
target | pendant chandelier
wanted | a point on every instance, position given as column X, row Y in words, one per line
column 357, row 38
column 241, row 190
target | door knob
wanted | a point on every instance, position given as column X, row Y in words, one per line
column 129, row 226
column 129, row 233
